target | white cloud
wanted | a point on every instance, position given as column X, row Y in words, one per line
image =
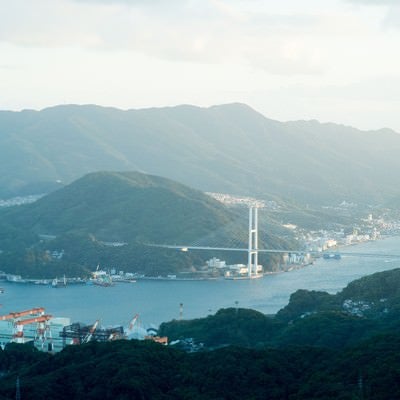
column 375, row 2
column 195, row 31
column 156, row 52
column 391, row 17
column 132, row 3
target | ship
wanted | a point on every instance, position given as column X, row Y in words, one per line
column 101, row 278
column 332, row 256
column 59, row 284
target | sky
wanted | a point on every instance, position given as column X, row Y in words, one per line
column 331, row 60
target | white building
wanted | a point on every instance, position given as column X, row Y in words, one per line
column 216, row 263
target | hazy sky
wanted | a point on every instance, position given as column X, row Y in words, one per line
column 289, row 59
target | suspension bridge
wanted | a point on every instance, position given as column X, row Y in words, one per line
column 252, row 249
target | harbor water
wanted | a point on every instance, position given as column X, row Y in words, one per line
column 159, row 300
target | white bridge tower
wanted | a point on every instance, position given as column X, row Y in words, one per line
column 253, row 242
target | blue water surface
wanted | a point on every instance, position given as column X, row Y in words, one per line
column 158, row 301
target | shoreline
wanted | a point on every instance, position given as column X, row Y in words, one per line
column 266, row 295
column 17, row 279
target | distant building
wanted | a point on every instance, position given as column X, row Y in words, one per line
column 215, row 263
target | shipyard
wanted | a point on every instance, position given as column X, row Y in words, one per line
column 52, row 334
column 52, row 331
column 199, row 200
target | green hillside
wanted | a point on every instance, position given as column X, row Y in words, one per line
column 229, row 148
column 139, row 370
column 366, row 307
column 87, row 216
column 124, row 207
column 325, row 354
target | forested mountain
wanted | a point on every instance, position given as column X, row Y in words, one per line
column 132, row 370
column 229, row 148
column 123, row 206
column 84, row 218
column 316, row 348
column 366, row 307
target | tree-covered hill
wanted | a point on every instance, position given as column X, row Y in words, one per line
column 85, row 218
column 375, row 296
column 126, row 207
column 134, row 370
column 366, row 307
column 323, row 353
column 228, row 148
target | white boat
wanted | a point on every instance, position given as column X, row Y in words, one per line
column 59, row 284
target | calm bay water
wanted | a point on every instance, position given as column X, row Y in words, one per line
column 158, row 301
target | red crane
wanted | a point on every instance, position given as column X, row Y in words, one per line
column 129, row 330
column 40, row 332
column 18, row 314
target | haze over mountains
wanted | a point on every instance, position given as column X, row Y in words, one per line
column 228, row 148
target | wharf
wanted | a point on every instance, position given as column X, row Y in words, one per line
column 45, row 282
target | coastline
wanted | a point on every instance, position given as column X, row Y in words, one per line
column 17, row 279
column 158, row 300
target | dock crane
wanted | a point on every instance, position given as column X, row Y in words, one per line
column 92, row 330
column 42, row 322
column 18, row 320
column 15, row 315
column 132, row 324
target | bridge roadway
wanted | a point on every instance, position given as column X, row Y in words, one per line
column 348, row 254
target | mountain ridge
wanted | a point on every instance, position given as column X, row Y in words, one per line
column 227, row 148
column 119, row 207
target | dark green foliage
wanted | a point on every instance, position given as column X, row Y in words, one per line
column 252, row 329
column 15, row 355
column 230, row 326
column 329, row 329
column 306, row 302
column 324, row 355
column 311, row 318
column 123, row 207
column 140, row 370
column 128, row 207
column 375, row 287
column 380, row 292
column 13, row 238
column 368, row 371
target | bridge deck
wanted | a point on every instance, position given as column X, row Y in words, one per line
column 279, row 251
